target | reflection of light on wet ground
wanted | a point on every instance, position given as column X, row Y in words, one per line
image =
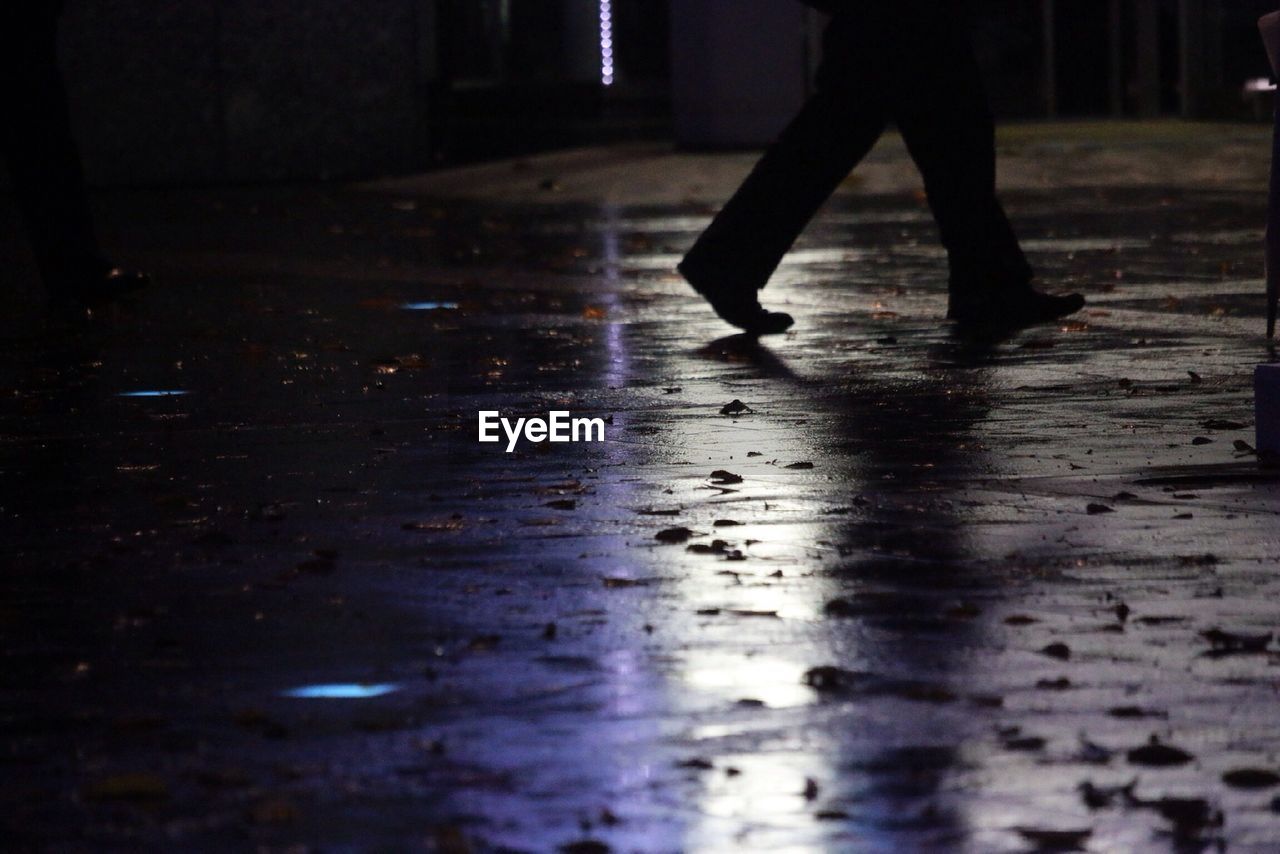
column 154, row 393
column 1084, row 244
column 343, row 691
column 762, row 807
column 619, row 364
column 430, row 305
column 774, row 681
column 740, row 664
column 798, row 257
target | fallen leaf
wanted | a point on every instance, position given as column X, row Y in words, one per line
column 1060, row 684
column 673, row 536
column 562, row 504
column 1028, row 743
column 714, row 547
column 1230, row 643
column 1251, row 778
column 697, row 763
column 1154, row 754
column 1134, row 712
column 1101, row 797
column 1055, row 840
column 1060, row 651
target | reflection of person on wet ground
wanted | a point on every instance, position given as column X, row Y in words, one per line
column 43, row 160
column 902, row 61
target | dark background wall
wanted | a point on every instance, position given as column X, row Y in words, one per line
column 246, row 90
column 263, row 90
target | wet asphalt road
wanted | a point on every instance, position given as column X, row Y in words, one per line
column 942, row 594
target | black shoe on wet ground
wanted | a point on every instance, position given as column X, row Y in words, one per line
column 1011, row 308
column 739, row 306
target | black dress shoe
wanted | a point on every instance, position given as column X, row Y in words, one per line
column 739, row 306
column 1011, row 308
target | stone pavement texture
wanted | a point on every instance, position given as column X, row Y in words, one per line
column 264, row 589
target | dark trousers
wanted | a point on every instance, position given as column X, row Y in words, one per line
column 908, row 62
column 35, row 132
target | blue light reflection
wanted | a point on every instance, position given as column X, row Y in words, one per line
column 429, row 306
column 343, row 691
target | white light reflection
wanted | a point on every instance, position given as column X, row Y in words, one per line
column 729, row 657
column 343, row 691
column 774, row 681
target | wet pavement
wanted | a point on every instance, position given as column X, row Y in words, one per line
column 264, row 588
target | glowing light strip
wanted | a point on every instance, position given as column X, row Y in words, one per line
column 159, row 393
column 606, row 42
column 342, row 691
column 429, row 306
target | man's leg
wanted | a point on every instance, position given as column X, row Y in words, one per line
column 834, row 130
column 941, row 109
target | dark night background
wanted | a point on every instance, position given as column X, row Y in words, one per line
column 240, row 91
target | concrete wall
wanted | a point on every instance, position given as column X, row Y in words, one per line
column 247, row 90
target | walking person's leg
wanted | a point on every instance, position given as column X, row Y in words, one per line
column 834, row 130
column 940, row 107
